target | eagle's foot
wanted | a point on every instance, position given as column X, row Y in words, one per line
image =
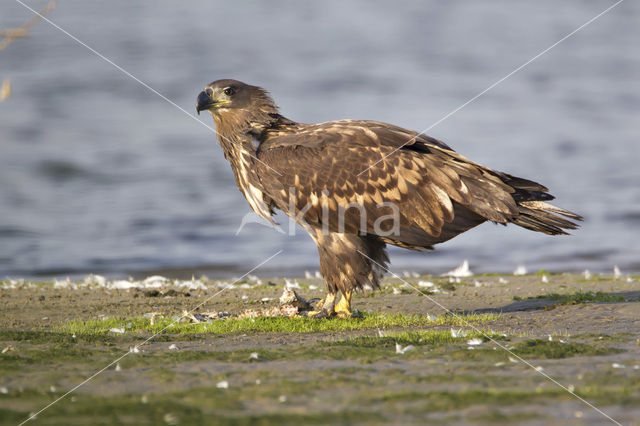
column 321, row 314
column 343, row 308
column 325, row 308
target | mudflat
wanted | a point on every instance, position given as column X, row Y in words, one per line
column 531, row 349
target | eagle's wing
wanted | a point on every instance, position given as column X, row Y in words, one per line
column 438, row 193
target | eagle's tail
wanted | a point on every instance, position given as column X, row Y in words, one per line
column 535, row 213
column 543, row 217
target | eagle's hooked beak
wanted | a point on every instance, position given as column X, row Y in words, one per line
column 204, row 102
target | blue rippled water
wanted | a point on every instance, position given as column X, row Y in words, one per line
column 99, row 174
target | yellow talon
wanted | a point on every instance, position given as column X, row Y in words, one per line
column 325, row 308
column 343, row 308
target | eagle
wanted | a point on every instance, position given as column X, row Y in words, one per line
column 356, row 186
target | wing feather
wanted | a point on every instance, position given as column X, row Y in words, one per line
column 438, row 192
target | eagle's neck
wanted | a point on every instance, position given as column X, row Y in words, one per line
column 243, row 133
column 240, row 137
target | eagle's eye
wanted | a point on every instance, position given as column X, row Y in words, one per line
column 229, row 91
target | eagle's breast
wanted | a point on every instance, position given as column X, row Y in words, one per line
column 250, row 186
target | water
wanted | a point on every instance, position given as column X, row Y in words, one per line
column 98, row 174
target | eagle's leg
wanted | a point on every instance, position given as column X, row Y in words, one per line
column 348, row 262
column 343, row 308
column 324, row 308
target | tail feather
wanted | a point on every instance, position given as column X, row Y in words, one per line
column 544, row 217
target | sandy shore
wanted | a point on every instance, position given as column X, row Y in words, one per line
column 585, row 337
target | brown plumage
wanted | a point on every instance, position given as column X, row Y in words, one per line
column 356, row 186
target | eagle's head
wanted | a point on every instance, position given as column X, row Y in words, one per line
column 232, row 97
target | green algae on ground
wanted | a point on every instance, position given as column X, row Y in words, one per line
column 54, row 354
column 168, row 325
column 447, row 400
column 417, row 338
column 310, row 378
column 576, row 298
column 33, row 337
column 538, row 348
column 209, row 406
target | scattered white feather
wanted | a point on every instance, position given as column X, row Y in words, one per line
column 461, row 271
column 254, row 279
column 118, row 368
column 155, row 281
column 550, row 338
column 253, row 355
column 571, row 388
column 308, row 275
column 222, row 384
column 457, row 333
column 503, row 281
column 396, row 290
column 62, row 283
column 266, row 299
column 475, row 341
column 134, row 349
column 616, row 365
column 401, row 350
column 545, row 279
column 616, row 272
column 123, row 284
column 292, row 284
column 244, row 297
column 52, row 389
column 117, row 330
column 432, row 317
column 498, row 364
column 520, row 270
column 98, row 280
column 586, row 274
column 152, row 317
column 313, row 287
column 173, row 347
column 192, row 284
column 4, row 390
column 282, row 399
column 629, row 279
column 512, row 359
column 380, row 333
column 539, row 368
column 318, row 275
column 477, row 283
column 171, row 419
column 425, row 284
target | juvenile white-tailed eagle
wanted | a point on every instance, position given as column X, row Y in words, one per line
column 357, row 185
